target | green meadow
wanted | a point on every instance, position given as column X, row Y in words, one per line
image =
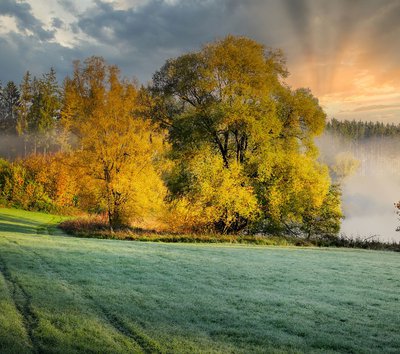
column 60, row 294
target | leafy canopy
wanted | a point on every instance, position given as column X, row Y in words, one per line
column 227, row 105
column 118, row 149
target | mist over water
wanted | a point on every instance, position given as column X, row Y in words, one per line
column 368, row 195
column 368, row 207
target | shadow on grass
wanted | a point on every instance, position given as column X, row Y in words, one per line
column 19, row 225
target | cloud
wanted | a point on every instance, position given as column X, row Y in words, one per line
column 340, row 49
column 151, row 32
column 57, row 22
column 141, row 38
column 69, row 6
column 156, row 24
column 30, row 53
column 26, row 22
column 377, row 107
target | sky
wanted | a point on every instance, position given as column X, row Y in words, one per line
column 346, row 51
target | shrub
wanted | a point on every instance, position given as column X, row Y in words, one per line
column 96, row 226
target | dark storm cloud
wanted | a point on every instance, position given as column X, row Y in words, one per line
column 22, row 12
column 157, row 23
column 10, row 62
column 140, row 39
column 28, row 53
column 303, row 28
column 147, row 35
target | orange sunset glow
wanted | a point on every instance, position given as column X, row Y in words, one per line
column 351, row 67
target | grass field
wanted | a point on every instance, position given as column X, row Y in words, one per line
column 60, row 294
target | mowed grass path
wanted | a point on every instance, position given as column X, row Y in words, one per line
column 60, row 294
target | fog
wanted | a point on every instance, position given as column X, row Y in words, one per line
column 370, row 193
column 11, row 146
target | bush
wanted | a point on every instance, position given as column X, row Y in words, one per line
column 41, row 183
column 97, row 227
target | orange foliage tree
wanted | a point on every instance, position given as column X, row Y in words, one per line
column 117, row 149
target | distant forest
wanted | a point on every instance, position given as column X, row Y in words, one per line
column 359, row 130
column 374, row 144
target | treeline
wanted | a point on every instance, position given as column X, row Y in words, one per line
column 374, row 144
column 31, row 112
column 217, row 142
column 360, row 130
column 9, row 103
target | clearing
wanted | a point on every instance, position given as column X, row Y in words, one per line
column 60, row 294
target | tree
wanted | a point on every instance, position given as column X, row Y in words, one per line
column 44, row 110
column 9, row 101
column 215, row 197
column 39, row 110
column 228, row 100
column 345, row 165
column 50, row 105
column 220, row 96
column 118, row 150
column 24, row 108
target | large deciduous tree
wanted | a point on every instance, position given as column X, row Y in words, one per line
column 117, row 149
column 229, row 100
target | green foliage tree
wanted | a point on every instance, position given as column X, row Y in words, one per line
column 39, row 110
column 229, row 100
column 24, row 108
column 9, row 102
column 45, row 109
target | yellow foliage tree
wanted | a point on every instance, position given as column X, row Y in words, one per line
column 117, row 149
column 228, row 104
column 219, row 197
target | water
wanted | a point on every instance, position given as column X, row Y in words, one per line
column 368, row 205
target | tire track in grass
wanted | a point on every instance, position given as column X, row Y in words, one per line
column 22, row 301
column 146, row 344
